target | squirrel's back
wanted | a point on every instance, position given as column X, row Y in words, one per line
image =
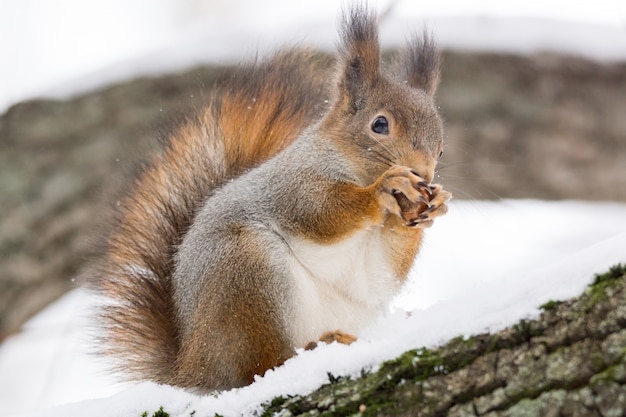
column 249, row 118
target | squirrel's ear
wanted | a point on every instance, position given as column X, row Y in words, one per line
column 419, row 64
column 359, row 55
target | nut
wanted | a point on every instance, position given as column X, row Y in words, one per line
column 410, row 210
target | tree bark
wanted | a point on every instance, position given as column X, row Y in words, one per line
column 568, row 362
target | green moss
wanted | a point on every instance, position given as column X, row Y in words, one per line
column 427, row 363
column 278, row 401
column 494, row 344
column 334, row 379
column 419, row 364
column 161, row 413
column 524, row 330
column 550, row 305
column 616, row 373
column 598, row 289
column 614, row 273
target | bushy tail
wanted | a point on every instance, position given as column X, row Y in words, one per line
column 259, row 111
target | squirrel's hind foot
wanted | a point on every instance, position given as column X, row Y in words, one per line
column 329, row 337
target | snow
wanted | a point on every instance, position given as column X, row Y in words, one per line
column 484, row 266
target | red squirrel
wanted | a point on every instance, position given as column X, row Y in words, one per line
column 288, row 210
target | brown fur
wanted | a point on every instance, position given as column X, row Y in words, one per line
column 226, row 322
column 219, row 143
column 244, row 339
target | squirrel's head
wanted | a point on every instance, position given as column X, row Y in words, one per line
column 389, row 118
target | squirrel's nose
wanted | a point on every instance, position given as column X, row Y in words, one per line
column 421, row 164
column 426, row 174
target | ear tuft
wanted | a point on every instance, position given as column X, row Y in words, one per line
column 420, row 63
column 359, row 53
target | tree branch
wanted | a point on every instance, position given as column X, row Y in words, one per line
column 569, row 361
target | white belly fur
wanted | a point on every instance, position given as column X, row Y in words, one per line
column 343, row 286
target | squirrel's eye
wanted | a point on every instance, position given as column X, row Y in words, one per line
column 380, row 125
column 440, row 154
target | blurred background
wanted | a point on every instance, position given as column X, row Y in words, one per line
column 533, row 94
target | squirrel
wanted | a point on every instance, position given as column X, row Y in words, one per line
column 288, row 210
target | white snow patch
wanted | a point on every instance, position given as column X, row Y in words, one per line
column 485, row 266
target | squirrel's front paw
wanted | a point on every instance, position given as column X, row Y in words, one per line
column 436, row 207
column 400, row 190
column 404, row 193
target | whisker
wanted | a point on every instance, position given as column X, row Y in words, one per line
column 382, row 157
column 467, row 177
column 444, row 165
column 391, row 152
column 460, row 192
column 396, row 152
column 478, row 187
column 474, row 204
column 378, row 157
